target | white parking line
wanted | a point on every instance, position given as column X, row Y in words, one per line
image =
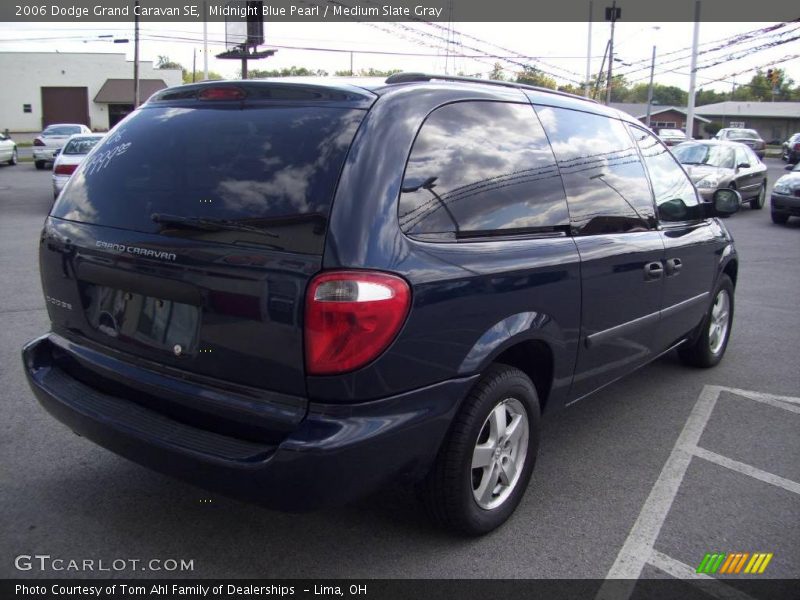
column 745, row 469
column 638, row 548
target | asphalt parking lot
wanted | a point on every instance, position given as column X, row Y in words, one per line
column 643, row 478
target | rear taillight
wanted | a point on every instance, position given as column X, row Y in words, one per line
column 38, row 142
column 797, row 147
column 65, row 169
column 351, row 317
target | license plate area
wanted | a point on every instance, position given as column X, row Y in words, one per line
column 133, row 318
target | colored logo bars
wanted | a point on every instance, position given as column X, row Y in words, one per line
column 732, row 563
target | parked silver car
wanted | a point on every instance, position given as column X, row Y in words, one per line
column 53, row 138
column 8, row 150
column 671, row 137
column 69, row 157
column 748, row 137
column 714, row 165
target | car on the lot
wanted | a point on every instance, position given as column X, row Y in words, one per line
column 8, row 150
column 671, row 137
column 790, row 149
column 298, row 291
column 785, row 197
column 70, row 157
column 712, row 165
column 53, row 138
column 748, row 137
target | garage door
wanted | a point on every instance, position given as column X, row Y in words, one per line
column 65, row 105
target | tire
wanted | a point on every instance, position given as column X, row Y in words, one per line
column 779, row 218
column 474, row 501
column 39, row 164
column 757, row 203
column 709, row 347
column 14, row 158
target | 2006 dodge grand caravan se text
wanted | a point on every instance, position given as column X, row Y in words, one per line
column 294, row 292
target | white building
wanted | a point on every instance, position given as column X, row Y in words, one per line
column 40, row 88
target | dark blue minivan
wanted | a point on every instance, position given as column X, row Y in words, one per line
column 297, row 291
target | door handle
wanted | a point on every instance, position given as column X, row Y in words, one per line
column 674, row 266
column 653, row 270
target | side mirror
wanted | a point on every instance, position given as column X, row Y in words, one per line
column 57, row 151
column 788, row 167
column 743, row 165
column 726, row 202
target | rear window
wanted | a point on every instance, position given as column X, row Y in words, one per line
column 80, row 146
column 62, row 130
column 743, row 134
column 268, row 174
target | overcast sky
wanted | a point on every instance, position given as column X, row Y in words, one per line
column 559, row 48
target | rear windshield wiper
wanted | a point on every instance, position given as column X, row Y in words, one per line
column 207, row 224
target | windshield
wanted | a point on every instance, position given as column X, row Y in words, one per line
column 273, row 168
column 742, row 134
column 705, row 154
column 80, row 145
column 62, row 130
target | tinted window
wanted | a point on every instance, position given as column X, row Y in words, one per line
column 675, row 195
column 80, row 146
column 479, row 167
column 607, row 189
column 262, row 168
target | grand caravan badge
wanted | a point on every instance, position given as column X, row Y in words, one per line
column 136, row 250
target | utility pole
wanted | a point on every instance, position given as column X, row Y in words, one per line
column 205, row 41
column 588, row 55
column 136, row 55
column 351, row 64
column 194, row 64
column 612, row 14
column 650, row 87
column 693, row 72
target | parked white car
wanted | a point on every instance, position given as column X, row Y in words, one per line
column 70, row 156
column 8, row 150
column 53, row 138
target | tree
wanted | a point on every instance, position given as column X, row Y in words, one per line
column 712, row 128
column 371, row 72
column 285, row 72
column 533, row 76
column 200, row 75
column 163, row 62
column 497, row 72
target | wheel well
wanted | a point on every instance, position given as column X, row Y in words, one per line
column 535, row 359
column 732, row 270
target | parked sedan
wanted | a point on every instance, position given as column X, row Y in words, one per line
column 791, row 149
column 72, row 155
column 748, row 137
column 671, row 137
column 8, row 150
column 785, row 200
column 712, row 165
column 53, row 138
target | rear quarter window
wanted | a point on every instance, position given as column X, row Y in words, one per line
column 479, row 168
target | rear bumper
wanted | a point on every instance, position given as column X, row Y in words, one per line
column 44, row 153
column 335, row 454
column 783, row 204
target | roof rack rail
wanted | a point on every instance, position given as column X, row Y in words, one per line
column 418, row 77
